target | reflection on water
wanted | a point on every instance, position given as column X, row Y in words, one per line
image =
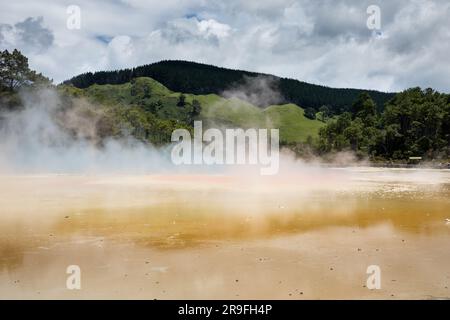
column 175, row 212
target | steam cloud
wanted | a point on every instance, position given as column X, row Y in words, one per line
column 260, row 91
column 45, row 137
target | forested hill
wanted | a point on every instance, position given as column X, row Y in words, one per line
column 197, row 78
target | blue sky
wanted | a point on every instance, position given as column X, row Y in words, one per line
column 319, row 41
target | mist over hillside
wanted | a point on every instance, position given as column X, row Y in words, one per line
column 411, row 124
column 198, row 78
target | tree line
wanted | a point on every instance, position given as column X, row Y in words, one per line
column 415, row 123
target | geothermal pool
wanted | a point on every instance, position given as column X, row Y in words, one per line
column 308, row 234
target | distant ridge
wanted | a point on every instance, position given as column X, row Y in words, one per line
column 199, row 78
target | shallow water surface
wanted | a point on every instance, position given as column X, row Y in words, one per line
column 307, row 234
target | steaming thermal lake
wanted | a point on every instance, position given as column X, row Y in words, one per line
column 308, row 234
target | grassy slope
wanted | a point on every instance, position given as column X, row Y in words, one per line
column 291, row 121
column 289, row 118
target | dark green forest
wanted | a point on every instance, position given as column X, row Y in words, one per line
column 415, row 123
column 197, row 78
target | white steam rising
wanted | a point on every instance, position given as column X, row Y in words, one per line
column 45, row 138
column 260, row 91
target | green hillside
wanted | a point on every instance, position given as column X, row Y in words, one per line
column 203, row 79
column 293, row 125
column 96, row 107
column 289, row 118
column 146, row 98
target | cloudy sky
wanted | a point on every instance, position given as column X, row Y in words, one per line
column 320, row 41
